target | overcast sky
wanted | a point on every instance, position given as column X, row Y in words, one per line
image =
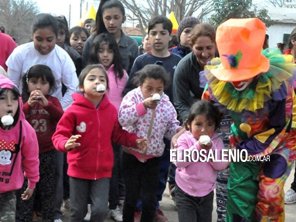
column 63, row 7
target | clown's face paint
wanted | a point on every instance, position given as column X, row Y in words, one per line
column 241, row 85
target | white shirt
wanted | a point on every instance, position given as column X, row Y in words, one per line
column 25, row 56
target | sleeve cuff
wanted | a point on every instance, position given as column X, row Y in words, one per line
column 31, row 185
column 141, row 110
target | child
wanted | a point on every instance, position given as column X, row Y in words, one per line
column 145, row 46
column 43, row 50
column 89, row 24
column 43, row 112
column 106, row 52
column 159, row 35
column 109, row 19
column 184, row 36
column 86, row 131
column 78, row 36
column 154, row 118
column 195, row 181
column 18, row 151
column 63, row 40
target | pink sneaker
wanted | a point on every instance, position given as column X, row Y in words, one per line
column 159, row 216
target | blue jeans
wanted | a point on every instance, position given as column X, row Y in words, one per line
column 81, row 191
column 194, row 209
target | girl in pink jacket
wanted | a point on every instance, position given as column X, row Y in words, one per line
column 106, row 52
column 196, row 174
column 18, row 151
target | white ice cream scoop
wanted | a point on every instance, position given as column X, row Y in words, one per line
column 7, row 120
column 101, row 88
column 204, row 139
column 156, row 97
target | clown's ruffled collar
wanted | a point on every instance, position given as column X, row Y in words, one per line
column 266, row 86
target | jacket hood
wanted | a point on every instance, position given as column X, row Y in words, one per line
column 6, row 83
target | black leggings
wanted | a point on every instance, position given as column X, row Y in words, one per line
column 140, row 178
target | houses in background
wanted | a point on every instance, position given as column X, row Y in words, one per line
column 284, row 21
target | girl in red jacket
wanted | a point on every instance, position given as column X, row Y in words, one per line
column 86, row 131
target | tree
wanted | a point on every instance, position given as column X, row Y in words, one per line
column 277, row 3
column 283, row 3
column 17, row 18
column 182, row 8
column 226, row 9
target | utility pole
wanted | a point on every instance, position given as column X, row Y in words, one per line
column 81, row 3
column 70, row 12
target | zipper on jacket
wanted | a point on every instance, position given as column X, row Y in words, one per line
column 99, row 144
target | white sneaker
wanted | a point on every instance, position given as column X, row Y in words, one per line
column 87, row 216
column 116, row 214
column 58, row 220
column 65, row 206
column 290, row 196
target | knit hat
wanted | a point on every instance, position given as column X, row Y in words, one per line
column 240, row 42
column 185, row 23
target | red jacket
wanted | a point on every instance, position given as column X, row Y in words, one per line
column 7, row 46
column 44, row 121
column 98, row 127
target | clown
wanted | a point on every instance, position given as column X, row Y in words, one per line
column 256, row 90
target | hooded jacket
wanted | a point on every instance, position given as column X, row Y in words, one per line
column 98, row 127
column 18, row 150
column 44, row 121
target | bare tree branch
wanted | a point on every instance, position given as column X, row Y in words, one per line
column 277, row 3
column 17, row 17
column 145, row 10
